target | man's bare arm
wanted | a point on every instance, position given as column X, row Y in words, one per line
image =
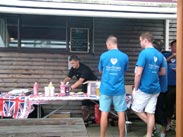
column 67, row 79
column 138, row 74
column 77, row 83
column 162, row 72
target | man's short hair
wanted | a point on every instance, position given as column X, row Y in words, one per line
column 158, row 44
column 112, row 39
column 73, row 57
column 172, row 43
column 147, row 35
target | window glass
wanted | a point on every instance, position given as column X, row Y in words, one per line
column 43, row 31
column 8, row 31
column 80, row 38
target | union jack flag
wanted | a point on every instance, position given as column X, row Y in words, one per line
column 13, row 106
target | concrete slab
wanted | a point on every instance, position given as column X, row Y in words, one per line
column 136, row 129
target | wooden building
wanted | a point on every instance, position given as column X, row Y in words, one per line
column 37, row 36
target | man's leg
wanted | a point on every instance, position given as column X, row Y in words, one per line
column 121, row 123
column 150, row 124
column 150, row 110
column 163, row 131
column 85, row 109
column 161, row 115
column 142, row 116
column 85, row 113
column 103, row 123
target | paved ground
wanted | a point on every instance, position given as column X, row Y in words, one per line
column 136, row 129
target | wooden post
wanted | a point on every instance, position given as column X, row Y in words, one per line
column 179, row 70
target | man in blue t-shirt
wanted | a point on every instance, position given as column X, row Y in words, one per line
column 113, row 64
column 161, row 108
column 146, row 85
column 171, row 94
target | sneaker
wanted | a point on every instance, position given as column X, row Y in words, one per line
column 163, row 135
column 157, row 131
column 168, row 127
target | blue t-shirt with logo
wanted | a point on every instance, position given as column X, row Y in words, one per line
column 171, row 67
column 113, row 64
column 164, row 79
column 151, row 60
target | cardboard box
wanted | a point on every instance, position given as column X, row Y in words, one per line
column 91, row 87
column 61, row 115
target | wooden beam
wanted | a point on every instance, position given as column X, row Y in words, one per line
column 179, row 70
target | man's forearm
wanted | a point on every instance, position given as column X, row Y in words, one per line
column 137, row 82
column 77, row 83
column 66, row 80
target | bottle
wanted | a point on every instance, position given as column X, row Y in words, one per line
column 50, row 84
column 98, row 88
column 67, row 90
column 62, row 88
column 35, row 88
column 51, row 89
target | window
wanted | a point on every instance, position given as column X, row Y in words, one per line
column 45, row 32
column 33, row 31
column 8, row 31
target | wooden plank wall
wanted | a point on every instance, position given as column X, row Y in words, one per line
column 21, row 70
column 127, row 31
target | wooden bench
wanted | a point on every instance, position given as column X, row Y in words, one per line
column 50, row 127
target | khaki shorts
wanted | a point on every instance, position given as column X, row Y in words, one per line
column 143, row 102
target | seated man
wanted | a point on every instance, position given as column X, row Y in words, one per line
column 82, row 73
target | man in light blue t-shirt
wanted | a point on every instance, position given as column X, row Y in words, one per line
column 113, row 64
column 149, row 67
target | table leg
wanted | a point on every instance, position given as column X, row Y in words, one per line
column 55, row 110
column 39, row 111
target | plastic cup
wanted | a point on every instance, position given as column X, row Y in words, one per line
column 47, row 91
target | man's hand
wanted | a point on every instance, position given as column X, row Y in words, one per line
column 134, row 90
column 70, row 88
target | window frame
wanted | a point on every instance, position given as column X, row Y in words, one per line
column 48, row 50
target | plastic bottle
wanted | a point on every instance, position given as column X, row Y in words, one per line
column 51, row 89
column 35, row 88
column 98, row 88
column 62, row 88
column 67, row 90
column 50, row 84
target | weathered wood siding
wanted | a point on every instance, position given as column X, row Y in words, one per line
column 127, row 31
column 21, row 70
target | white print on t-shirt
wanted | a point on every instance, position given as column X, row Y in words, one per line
column 154, row 67
column 114, row 61
column 155, row 59
column 113, row 70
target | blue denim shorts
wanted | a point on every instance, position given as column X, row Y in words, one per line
column 119, row 103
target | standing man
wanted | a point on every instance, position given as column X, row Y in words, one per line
column 113, row 64
column 161, row 107
column 82, row 73
column 146, row 85
column 171, row 94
